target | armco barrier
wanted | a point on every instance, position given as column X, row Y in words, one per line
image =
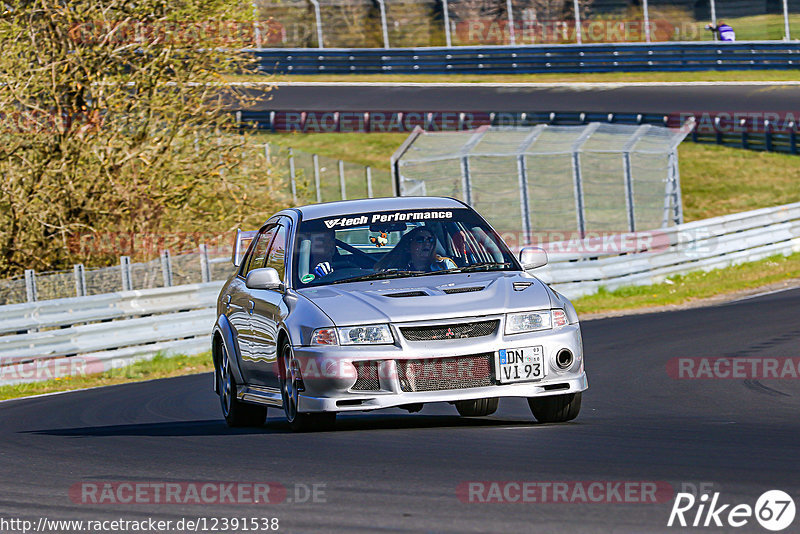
column 671, row 56
column 41, row 339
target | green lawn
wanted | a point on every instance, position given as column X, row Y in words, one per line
column 158, row 367
column 693, row 286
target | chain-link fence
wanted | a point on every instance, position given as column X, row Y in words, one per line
column 525, row 180
column 421, row 23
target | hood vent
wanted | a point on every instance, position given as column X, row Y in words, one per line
column 520, row 286
column 406, row 294
column 463, row 289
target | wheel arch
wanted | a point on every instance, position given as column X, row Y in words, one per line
column 223, row 335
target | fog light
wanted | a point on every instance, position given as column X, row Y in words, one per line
column 564, row 359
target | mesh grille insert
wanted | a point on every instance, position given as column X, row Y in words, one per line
column 438, row 374
column 406, row 294
column 462, row 289
column 450, row 331
column 367, row 377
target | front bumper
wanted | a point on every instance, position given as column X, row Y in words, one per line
column 329, row 374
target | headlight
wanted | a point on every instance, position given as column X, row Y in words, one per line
column 517, row 323
column 378, row 334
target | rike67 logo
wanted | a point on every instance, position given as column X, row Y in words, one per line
column 774, row 510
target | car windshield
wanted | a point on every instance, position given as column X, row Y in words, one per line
column 395, row 244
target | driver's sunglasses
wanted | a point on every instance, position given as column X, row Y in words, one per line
column 423, row 239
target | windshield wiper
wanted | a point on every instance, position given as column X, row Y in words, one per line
column 487, row 265
column 379, row 276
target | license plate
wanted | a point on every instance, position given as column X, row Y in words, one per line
column 519, row 365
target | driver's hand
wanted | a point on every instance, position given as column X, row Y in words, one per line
column 323, row 268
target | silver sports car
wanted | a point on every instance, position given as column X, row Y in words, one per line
column 369, row 304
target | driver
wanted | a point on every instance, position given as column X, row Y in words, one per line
column 416, row 251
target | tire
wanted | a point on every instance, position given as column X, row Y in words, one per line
column 299, row 422
column 556, row 408
column 477, row 407
column 236, row 412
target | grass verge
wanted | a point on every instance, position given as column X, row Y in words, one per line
column 691, row 287
column 159, row 367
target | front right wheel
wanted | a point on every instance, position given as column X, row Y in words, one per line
column 556, row 408
column 290, row 395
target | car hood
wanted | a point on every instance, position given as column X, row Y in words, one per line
column 429, row 297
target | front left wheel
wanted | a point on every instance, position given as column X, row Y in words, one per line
column 556, row 408
column 477, row 407
column 236, row 412
column 290, row 395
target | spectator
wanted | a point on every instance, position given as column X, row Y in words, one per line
column 725, row 32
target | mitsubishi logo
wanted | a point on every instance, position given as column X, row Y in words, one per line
column 449, row 333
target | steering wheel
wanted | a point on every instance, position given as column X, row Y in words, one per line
column 360, row 257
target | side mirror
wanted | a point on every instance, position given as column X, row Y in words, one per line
column 266, row 278
column 532, row 257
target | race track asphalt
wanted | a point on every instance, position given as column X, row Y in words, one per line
column 391, row 471
column 587, row 98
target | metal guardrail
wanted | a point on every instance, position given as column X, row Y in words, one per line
column 41, row 340
column 670, row 56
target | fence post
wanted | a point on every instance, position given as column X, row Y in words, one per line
column 466, row 184
column 317, row 186
column 80, row 280
column 166, row 267
column 768, row 135
column 319, row 23
column 713, row 18
column 646, row 21
column 626, row 166
column 578, row 35
column 125, row 271
column 205, row 267
column 30, row 285
column 292, row 176
column 382, row 5
column 369, row 181
column 787, row 33
column 792, row 138
column 447, row 24
column 512, row 38
column 522, row 173
column 342, row 185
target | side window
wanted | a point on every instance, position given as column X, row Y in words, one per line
column 277, row 252
column 259, row 255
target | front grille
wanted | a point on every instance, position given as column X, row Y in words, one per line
column 452, row 290
column 367, row 377
column 438, row 374
column 450, row 331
